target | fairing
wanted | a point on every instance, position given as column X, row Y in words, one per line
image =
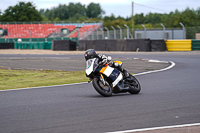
column 113, row 75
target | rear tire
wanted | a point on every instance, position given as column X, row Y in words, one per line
column 103, row 90
column 136, row 88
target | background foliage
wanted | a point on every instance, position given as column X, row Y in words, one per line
column 26, row 12
column 21, row 12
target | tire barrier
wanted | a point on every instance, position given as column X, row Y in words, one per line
column 32, row 45
column 116, row 45
column 6, row 45
column 63, row 45
column 179, row 45
column 158, row 45
column 109, row 45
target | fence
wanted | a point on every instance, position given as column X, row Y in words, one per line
column 160, row 34
column 125, row 33
column 102, row 33
column 191, row 32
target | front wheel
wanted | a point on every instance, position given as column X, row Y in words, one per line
column 134, row 86
column 104, row 90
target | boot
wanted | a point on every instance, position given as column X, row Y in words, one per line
column 125, row 73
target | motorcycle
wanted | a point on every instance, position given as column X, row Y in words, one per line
column 107, row 80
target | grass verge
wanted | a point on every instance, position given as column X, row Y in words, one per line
column 13, row 79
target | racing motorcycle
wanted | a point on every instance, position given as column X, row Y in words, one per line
column 107, row 80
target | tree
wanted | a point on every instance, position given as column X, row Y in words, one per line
column 139, row 18
column 114, row 23
column 65, row 12
column 0, row 15
column 94, row 10
column 76, row 10
column 189, row 18
column 21, row 12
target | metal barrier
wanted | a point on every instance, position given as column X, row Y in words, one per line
column 10, row 40
column 195, row 44
column 32, row 45
column 179, row 45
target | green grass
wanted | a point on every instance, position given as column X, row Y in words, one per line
column 13, row 79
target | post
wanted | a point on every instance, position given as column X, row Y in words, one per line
column 144, row 31
column 120, row 31
column 184, row 34
column 127, row 31
column 78, row 34
column 97, row 34
column 83, row 34
column 107, row 32
column 7, row 32
column 102, row 33
column 114, row 32
column 92, row 34
column 133, row 19
column 30, row 35
column 163, row 30
column 53, row 35
column 87, row 34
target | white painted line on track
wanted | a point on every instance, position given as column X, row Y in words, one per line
column 167, row 68
column 156, row 128
column 43, row 87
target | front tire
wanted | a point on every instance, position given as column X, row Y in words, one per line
column 135, row 87
column 104, row 90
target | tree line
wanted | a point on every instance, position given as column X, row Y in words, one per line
column 77, row 12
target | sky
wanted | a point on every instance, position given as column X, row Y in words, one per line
column 116, row 7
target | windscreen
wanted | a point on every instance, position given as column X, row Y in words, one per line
column 89, row 63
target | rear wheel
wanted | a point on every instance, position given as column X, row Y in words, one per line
column 104, row 90
column 134, row 86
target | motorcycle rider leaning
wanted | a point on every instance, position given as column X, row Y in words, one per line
column 90, row 54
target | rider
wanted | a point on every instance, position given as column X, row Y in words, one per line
column 90, row 54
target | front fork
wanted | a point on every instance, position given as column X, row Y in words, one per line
column 103, row 80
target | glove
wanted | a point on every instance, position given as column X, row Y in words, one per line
column 103, row 62
column 105, row 59
column 109, row 58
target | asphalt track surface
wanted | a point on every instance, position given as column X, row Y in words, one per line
column 72, row 62
column 167, row 98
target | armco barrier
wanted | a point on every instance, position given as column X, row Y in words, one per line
column 32, row 45
column 178, row 45
column 195, row 44
column 6, row 45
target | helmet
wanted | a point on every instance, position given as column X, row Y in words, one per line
column 89, row 54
